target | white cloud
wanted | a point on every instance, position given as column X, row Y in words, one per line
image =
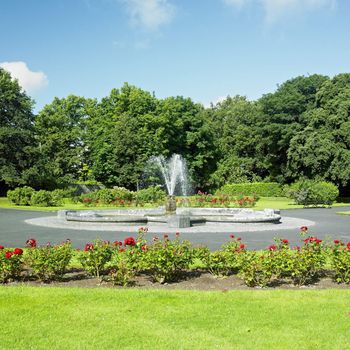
column 29, row 80
column 277, row 9
column 150, row 14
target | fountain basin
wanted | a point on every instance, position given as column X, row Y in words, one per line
column 182, row 218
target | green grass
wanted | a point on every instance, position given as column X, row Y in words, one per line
column 343, row 212
column 264, row 202
column 70, row 318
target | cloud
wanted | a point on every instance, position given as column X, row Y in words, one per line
column 275, row 10
column 150, row 14
column 29, row 80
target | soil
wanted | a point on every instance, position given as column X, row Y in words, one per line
column 194, row 280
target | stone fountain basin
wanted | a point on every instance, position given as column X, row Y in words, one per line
column 190, row 215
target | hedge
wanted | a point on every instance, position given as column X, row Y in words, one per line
column 262, row 189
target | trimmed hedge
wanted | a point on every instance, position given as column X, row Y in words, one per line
column 262, row 189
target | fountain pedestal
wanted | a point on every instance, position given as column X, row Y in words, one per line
column 179, row 221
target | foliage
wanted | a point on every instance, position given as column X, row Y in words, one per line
column 340, row 256
column 152, row 194
column 225, row 261
column 309, row 192
column 261, row 189
column 49, row 262
column 256, row 269
column 206, row 200
column 21, row 195
column 11, row 263
column 95, row 257
column 166, row 259
column 42, row 198
column 17, row 140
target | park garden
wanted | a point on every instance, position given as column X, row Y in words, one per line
column 289, row 149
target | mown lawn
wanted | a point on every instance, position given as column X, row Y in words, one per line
column 264, row 202
column 71, row 318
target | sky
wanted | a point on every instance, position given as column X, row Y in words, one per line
column 202, row 49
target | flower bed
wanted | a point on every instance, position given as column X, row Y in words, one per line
column 163, row 260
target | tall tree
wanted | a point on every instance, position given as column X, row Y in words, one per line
column 16, row 131
column 61, row 135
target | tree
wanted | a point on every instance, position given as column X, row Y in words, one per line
column 282, row 118
column 16, row 132
column 61, row 129
column 322, row 149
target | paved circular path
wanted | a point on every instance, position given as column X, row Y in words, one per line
column 14, row 231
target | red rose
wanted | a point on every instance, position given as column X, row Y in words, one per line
column 242, row 246
column 239, row 238
column 348, row 246
column 2, row 247
column 177, row 234
column 272, row 247
column 129, row 241
column 8, row 254
column 31, row 242
column 303, row 228
column 166, row 237
column 144, row 248
column 285, row 241
column 88, row 246
column 232, row 236
column 18, row 251
column 336, row 241
column 117, row 243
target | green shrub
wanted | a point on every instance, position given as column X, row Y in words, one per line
column 261, row 189
column 11, row 263
column 166, row 259
column 21, row 195
column 122, row 267
column 41, row 198
column 49, row 262
column 311, row 192
column 117, row 196
column 341, row 262
column 95, row 257
column 152, row 194
column 256, row 269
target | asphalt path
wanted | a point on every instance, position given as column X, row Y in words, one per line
column 14, row 231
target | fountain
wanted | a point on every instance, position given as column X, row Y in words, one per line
column 175, row 176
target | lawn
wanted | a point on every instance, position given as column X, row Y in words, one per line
column 264, row 202
column 71, row 318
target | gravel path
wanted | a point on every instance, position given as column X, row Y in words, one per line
column 14, row 230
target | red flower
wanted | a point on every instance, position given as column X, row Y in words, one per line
column 166, row 237
column 116, row 243
column 242, row 246
column 238, row 238
column 122, row 250
column 336, row 241
column 232, row 236
column 348, row 246
column 88, row 246
column 31, row 242
column 272, row 247
column 303, row 228
column 144, row 248
column 129, row 241
column 18, row 251
column 8, row 254
column 285, row 241
column 2, row 247
column 177, row 234
column 155, row 238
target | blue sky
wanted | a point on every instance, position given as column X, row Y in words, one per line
column 203, row 49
